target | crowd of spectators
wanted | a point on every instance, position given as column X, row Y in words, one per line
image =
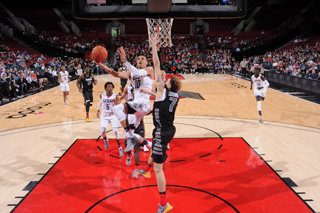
column 182, row 57
column 302, row 61
column 67, row 41
column 22, row 73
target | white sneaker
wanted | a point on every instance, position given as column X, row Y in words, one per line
column 168, row 147
column 261, row 120
column 145, row 148
column 121, row 153
column 128, row 161
column 64, row 103
column 106, row 144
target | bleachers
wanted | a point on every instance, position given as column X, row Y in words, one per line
column 46, row 14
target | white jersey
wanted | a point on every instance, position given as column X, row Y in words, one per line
column 129, row 95
column 258, row 82
column 139, row 81
column 64, row 77
column 107, row 104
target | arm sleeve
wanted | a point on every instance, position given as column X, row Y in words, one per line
column 100, row 104
column 135, row 71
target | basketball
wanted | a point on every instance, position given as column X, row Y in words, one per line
column 99, row 53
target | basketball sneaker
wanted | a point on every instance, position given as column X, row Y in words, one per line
column 143, row 173
column 121, row 153
column 131, row 142
column 128, row 161
column 261, row 120
column 88, row 119
column 134, row 174
column 164, row 209
column 64, row 103
column 106, row 144
column 168, row 147
column 145, row 148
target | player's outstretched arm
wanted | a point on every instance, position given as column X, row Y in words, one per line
column 124, row 75
column 145, row 90
column 251, row 84
column 156, row 63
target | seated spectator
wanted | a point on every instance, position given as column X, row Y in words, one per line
column 314, row 75
column 23, row 84
column 307, row 75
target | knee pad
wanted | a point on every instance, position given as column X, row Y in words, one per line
column 118, row 110
column 116, row 134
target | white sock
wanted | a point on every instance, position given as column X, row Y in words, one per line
column 259, row 105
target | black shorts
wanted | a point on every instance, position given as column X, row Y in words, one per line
column 161, row 138
column 87, row 95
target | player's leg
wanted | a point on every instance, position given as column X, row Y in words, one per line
column 67, row 91
column 115, row 127
column 87, row 104
column 103, row 126
column 130, row 120
column 258, row 97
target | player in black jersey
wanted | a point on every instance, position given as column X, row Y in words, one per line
column 87, row 80
column 123, row 81
column 166, row 101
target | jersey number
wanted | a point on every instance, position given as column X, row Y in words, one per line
column 174, row 101
column 137, row 83
column 107, row 106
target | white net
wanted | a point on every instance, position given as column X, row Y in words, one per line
column 163, row 26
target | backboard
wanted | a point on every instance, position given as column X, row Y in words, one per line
column 141, row 9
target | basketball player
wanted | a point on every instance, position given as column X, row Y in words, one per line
column 154, row 87
column 260, row 89
column 166, row 101
column 107, row 116
column 123, row 81
column 128, row 94
column 64, row 79
column 140, row 106
column 87, row 80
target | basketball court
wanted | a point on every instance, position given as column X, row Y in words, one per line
column 221, row 160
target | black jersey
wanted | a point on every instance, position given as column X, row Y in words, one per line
column 164, row 109
column 87, row 82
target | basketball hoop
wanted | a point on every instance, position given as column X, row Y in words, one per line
column 163, row 27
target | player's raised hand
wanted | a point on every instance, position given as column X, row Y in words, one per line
column 122, row 54
column 155, row 39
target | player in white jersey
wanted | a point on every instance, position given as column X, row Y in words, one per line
column 107, row 116
column 141, row 77
column 64, row 79
column 260, row 89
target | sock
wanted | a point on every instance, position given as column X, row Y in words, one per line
column 147, row 168
column 163, row 198
column 145, row 142
column 87, row 115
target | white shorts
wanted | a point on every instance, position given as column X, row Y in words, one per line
column 261, row 93
column 64, row 87
column 104, row 122
column 142, row 106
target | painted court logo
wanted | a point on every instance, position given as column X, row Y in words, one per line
column 29, row 110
